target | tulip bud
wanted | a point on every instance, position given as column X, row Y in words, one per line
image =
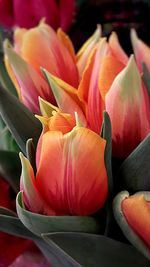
column 71, row 177
column 133, row 216
column 126, row 106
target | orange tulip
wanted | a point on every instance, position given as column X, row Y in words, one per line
column 133, row 216
column 105, row 61
column 33, row 49
column 68, row 180
column 132, row 207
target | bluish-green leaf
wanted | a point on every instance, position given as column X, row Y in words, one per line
column 39, row 224
column 20, row 121
column 134, row 173
column 10, row 168
column 146, row 78
column 106, row 134
column 96, row 250
column 129, row 233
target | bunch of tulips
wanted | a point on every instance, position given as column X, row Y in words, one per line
column 92, row 112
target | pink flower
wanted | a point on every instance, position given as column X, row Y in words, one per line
column 56, row 13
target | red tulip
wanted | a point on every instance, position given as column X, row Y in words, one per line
column 71, row 176
column 57, row 14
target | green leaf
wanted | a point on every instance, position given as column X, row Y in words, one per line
column 96, row 250
column 134, row 173
column 146, row 78
column 10, row 224
column 39, row 224
column 7, row 142
column 125, row 227
column 4, row 77
column 56, row 256
column 30, row 149
column 10, row 168
column 20, row 121
column 106, row 134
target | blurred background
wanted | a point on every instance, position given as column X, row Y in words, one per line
column 113, row 15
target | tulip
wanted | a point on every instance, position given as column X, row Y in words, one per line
column 71, row 177
column 133, row 216
column 24, row 66
column 126, row 105
column 105, row 61
column 56, row 13
column 11, row 247
column 141, row 51
column 132, row 207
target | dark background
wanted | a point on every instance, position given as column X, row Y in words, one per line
column 116, row 15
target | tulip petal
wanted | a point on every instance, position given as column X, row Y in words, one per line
column 112, row 63
column 86, row 49
column 61, row 122
column 49, row 53
column 125, row 105
column 46, row 108
column 141, row 51
column 66, row 97
column 137, row 213
column 18, row 39
column 32, row 198
column 31, row 84
column 64, row 38
column 116, row 49
column 67, row 177
column 110, row 67
column 88, row 89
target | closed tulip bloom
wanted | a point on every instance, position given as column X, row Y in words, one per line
column 71, row 177
column 24, row 63
column 56, row 13
column 126, row 105
column 132, row 207
column 133, row 216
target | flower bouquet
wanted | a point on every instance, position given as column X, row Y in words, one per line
column 80, row 122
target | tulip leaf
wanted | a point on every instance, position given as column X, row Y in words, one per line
column 10, row 168
column 7, row 142
column 30, row 149
column 57, row 256
column 20, row 121
column 146, row 78
column 4, row 77
column 106, row 134
column 96, row 250
column 39, row 224
column 10, row 224
column 134, row 172
column 125, row 227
